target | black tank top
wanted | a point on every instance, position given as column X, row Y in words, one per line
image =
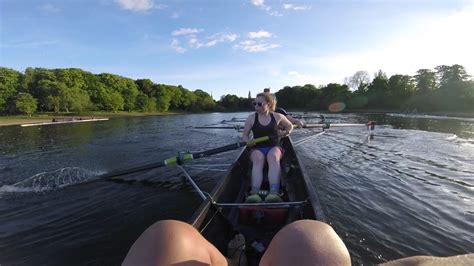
column 260, row 130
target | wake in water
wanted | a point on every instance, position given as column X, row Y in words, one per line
column 435, row 117
column 48, row 181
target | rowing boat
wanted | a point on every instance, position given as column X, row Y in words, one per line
column 223, row 213
column 65, row 121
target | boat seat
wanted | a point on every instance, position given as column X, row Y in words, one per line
column 258, row 215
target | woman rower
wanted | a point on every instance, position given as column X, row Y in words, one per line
column 265, row 122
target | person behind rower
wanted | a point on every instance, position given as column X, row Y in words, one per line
column 265, row 122
column 282, row 111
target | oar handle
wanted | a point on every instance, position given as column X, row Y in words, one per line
column 253, row 142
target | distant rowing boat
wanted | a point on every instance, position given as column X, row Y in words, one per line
column 56, row 121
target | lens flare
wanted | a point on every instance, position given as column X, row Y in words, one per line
column 336, row 107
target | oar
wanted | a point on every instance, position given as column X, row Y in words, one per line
column 237, row 127
column 182, row 157
column 190, row 179
column 370, row 124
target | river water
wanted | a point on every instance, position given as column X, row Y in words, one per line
column 405, row 189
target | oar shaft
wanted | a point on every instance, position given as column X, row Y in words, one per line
column 218, row 127
column 190, row 179
column 228, row 147
column 185, row 157
column 218, row 150
column 370, row 125
column 335, row 125
column 133, row 170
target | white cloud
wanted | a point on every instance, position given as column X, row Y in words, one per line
column 259, row 34
column 224, row 37
column 49, row 8
column 194, row 42
column 300, row 79
column 429, row 42
column 217, row 38
column 261, row 4
column 296, row 8
column 176, row 46
column 275, row 14
column 139, row 5
column 258, row 2
column 254, row 47
column 186, row 31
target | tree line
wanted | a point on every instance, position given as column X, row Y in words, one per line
column 76, row 90
column 444, row 88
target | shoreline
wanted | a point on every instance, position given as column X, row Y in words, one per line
column 17, row 120
column 45, row 117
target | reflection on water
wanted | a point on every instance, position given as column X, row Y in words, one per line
column 405, row 189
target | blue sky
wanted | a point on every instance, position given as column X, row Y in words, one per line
column 233, row 47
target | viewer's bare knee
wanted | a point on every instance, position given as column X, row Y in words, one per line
column 167, row 242
column 306, row 242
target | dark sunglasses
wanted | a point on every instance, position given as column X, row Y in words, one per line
column 260, row 104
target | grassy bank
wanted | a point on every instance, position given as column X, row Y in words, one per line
column 47, row 117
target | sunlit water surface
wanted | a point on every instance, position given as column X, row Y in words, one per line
column 405, row 189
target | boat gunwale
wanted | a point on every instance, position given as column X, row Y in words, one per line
column 199, row 216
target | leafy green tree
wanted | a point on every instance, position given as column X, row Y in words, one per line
column 72, row 77
column 145, row 86
column 115, row 102
column 25, row 103
column 145, row 103
column 10, row 81
column 378, row 91
column 450, row 75
column 176, row 95
column 334, row 93
column 126, row 87
column 130, row 93
column 54, row 103
column 38, row 82
column 45, row 89
column 230, row 102
column 74, row 99
column 401, row 87
column 204, row 101
column 425, row 80
column 188, row 99
column 163, row 95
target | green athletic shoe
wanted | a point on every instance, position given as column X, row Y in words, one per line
column 263, row 193
column 254, row 198
column 273, row 198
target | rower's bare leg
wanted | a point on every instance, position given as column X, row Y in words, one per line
column 171, row 242
column 306, row 242
column 258, row 161
column 274, row 170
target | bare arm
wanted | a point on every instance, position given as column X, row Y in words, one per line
column 295, row 121
column 248, row 125
column 284, row 123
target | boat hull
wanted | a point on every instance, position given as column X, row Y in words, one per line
column 64, row 121
column 224, row 215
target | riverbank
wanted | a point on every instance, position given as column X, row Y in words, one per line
column 48, row 117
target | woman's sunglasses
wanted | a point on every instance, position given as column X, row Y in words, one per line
column 259, row 104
